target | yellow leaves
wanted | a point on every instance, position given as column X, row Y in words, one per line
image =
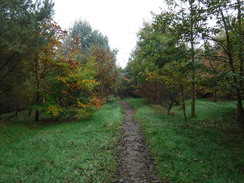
column 77, row 85
column 62, row 79
column 54, row 110
column 98, row 102
column 88, row 83
column 153, row 76
column 83, row 106
column 95, row 103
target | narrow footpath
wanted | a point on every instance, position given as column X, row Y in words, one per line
column 135, row 164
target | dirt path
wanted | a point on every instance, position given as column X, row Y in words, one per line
column 135, row 164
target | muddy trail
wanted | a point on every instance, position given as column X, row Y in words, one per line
column 135, row 164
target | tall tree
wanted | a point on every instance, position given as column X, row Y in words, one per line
column 228, row 35
column 107, row 71
column 82, row 37
column 190, row 24
column 91, row 44
column 19, row 23
column 24, row 32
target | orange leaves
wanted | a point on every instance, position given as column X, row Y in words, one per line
column 86, row 107
column 88, row 83
column 54, row 110
column 62, row 79
column 70, row 85
column 98, row 102
column 83, row 106
column 78, row 85
column 76, row 77
column 95, row 103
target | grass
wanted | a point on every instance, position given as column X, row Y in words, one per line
column 81, row 151
column 210, row 150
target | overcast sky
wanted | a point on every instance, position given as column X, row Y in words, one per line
column 119, row 20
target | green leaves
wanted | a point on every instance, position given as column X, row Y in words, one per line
column 25, row 31
column 83, row 38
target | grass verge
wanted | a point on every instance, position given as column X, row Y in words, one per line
column 211, row 149
column 81, row 151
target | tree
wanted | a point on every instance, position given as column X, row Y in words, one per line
column 159, row 44
column 87, row 44
column 41, row 66
column 107, row 71
column 82, row 37
column 20, row 21
column 72, row 89
column 176, row 79
column 228, row 35
column 190, row 25
column 163, row 93
column 24, row 32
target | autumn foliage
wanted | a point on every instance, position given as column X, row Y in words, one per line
column 46, row 70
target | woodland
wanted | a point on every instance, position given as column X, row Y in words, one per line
column 60, row 93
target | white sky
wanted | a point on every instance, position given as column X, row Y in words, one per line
column 119, row 20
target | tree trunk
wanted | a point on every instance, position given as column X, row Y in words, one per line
column 241, row 42
column 183, row 104
column 240, row 113
column 29, row 112
column 193, row 101
column 17, row 111
column 193, row 89
column 240, row 110
column 171, row 103
column 37, row 115
column 169, row 108
column 215, row 96
column 229, row 50
column 0, row 112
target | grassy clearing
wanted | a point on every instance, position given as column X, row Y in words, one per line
column 81, row 151
column 211, row 149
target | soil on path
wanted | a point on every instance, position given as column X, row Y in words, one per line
column 135, row 164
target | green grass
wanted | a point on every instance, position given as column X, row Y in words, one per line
column 210, row 150
column 81, row 151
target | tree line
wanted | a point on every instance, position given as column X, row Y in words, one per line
column 46, row 70
column 195, row 49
